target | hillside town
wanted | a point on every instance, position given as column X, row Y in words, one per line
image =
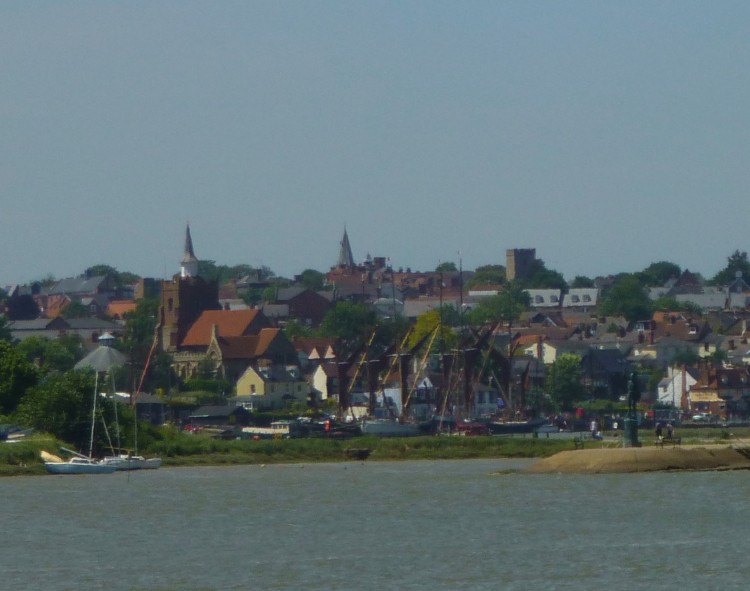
column 257, row 345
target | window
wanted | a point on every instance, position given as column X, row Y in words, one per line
column 538, row 299
column 554, row 299
column 575, row 299
column 586, row 298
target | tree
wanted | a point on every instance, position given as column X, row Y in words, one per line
column 5, row 332
column 21, row 307
column 542, row 278
column 487, row 275
column 447, row 267
column 506, row 306
column 564, row 380
column 670, row 304
column 425, row 325
column 685, row 356
column 295, row 328
column 62, row 405
column 140, row 325
column 312, row 279
column 581, row 281
column 626, row 297
column 75, row 310
column 58, row 355
column 349, row 321
column 657, row 274
column 16, row 376
column 736, row 263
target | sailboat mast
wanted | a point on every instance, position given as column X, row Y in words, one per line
column 93, row 414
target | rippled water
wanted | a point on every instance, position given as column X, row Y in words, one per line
column 370, row 525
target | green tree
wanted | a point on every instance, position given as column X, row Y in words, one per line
column 657, row 274
column 75, row 310
column 564, row 380
column 51, row 354
column 425, row 325
column 17, row 375
column 542, row 278
column 295, row 328
column 62, row 405
column 506, row 306
column 736, row 263
column 5, row 332
column 140, row 325
column 670, row 304
column 581, row 281
column 350, row 321
column 21, row 307
column 685, row 356
column 626, row 297
column 312, row 279
column 446, row 267
column 487, row 275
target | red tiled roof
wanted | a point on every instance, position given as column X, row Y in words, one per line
column 119, row 308
column 248, row 346
column 229, row 323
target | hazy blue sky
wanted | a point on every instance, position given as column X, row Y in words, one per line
column 607, row 135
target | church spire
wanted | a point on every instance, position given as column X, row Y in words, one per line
column 189, row 264
column 345, row 253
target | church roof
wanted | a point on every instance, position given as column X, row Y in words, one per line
column 229, row 323
column 249, row 346
column 188, row 252
column 346, row 259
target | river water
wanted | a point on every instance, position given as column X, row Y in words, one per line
column 458, row 525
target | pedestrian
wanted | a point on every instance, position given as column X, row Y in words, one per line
column 670, row 431
column 658, row 432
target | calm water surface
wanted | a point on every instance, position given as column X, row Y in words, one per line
column 459, row 525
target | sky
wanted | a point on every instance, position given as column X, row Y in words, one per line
column 606, row 135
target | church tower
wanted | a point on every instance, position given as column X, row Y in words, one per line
column 184, row 298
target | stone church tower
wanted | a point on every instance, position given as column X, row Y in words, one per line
column 183, row 299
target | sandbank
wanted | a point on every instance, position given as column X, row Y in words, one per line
column 643, row 459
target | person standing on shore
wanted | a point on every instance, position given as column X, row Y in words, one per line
column 658, row 431
column 670, row 431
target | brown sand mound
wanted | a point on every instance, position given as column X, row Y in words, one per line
column 641, row 459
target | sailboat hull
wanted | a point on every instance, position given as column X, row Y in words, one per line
column 124, row 462
column 78, row 466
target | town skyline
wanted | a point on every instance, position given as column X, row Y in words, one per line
column 605, row 135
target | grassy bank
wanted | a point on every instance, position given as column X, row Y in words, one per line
column 179, row 449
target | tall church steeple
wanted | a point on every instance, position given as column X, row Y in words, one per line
column 189, row 264
column 346, row 260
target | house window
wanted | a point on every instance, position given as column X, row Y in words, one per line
column 538, row 299
column 587, row 298
column 252, row 389
column 170, row 304
column 554, row 299
column 575, row 299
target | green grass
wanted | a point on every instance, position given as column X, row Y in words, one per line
column 180, row 449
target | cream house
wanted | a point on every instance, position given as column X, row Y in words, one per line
column 272, row 387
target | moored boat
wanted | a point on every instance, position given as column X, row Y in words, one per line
column 390, row 428
column 132, row 462
column 76, row 465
